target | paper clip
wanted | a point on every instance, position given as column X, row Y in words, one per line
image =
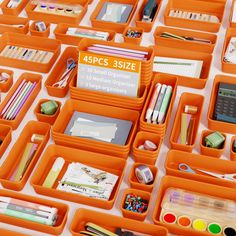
column 62, row 83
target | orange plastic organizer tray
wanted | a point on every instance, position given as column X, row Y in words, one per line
column 67, row 111
column 159, row 128
column 61, row 29
column 13, row 11
column 198, row 83
column 197, row 161
column 33, row 42
column 111, row 222
column 13, row 159
column 118, row 27
column 228, row 67
column 7, row 21
column 146, row 66
column 54, row 230
column 11, row 233
column 107, row 163
column 5, row 135
column 186, row 44
column 5, row 86
column 215, row 124
column 56, row 18
column 232, row 152
column 204, row 7
column 193, row 186
column 58, row 70
column 147, row 26
column 28, row 77
column 192, row 100
column 45, row 33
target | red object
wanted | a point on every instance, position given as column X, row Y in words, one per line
column 169, row 218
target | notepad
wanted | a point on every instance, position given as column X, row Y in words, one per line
column 178, row 66
column 230, row 54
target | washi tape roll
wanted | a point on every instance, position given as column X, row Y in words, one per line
column 149, row 145
column 190, row 109
column 143, row 174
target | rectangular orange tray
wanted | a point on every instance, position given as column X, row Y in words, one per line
column 206, row 7
column 61, row 29
column 88, row 144
column 107, row 163
column 111, row 222
column 28, row 77
column 159, row 128
column 193, row 186
column 118, row 27
column 198, row 83
column 192, row 100
column 58, row 70
column 13, row 11
column 5, row 86
column 146, row 68
column 197, row 161
column 215, row 124
column 12, row 20
column 13, row 159
column 56, row 19
column 63, row 210
column 11, row 233
column 147, row 26
column 33, row 42
column 186, row 44
column 228, row 67
column 5, row 135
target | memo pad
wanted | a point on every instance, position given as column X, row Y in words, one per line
column 121, row 133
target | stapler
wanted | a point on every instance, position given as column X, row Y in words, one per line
column 149, row 11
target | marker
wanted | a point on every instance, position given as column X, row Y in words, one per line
column 153, row 102
column 158, row 103
column 165, row 105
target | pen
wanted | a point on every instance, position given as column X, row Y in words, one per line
column 165, row 104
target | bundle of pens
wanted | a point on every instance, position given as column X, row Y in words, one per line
column 29, row 211
column 159, row 104
column 187, row 125
column 18, row 99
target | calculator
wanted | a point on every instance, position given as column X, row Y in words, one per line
column 225, row 107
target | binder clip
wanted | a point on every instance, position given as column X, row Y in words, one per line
column 149, row 11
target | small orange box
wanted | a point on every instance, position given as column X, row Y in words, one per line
column 215, row 124
column 146, row 156
column 232, row 152
column 193, row 186
column 10, row 233
column 204, row 7
column 130, row 39
column 28, row 77
column 61, row 29
column 190, row 99
column 198, row 83
column 32, row 42
column 186, row 44
column 7, row 21
column 13, row 159
column 159, row 128
column 195, row 162
column 13, row 11
column 45, row 33
column 112, row 222
column 107, row 163
column 6, row 85
column 71, row 106
column 135, row 215
column 5, row 136
column 63, row 210
column 118, row 27
column 58, row 70
column 214, row 152
column 232, row 24
column 147, row 26
column 135, row 183
column 56, row 18
column 50, row 119
column 228, row 67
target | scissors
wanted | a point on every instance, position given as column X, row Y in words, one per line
column 185, row 168
column 62, row 82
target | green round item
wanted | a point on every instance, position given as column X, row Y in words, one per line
column 214, row 228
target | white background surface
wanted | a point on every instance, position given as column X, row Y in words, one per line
column 147, row 40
